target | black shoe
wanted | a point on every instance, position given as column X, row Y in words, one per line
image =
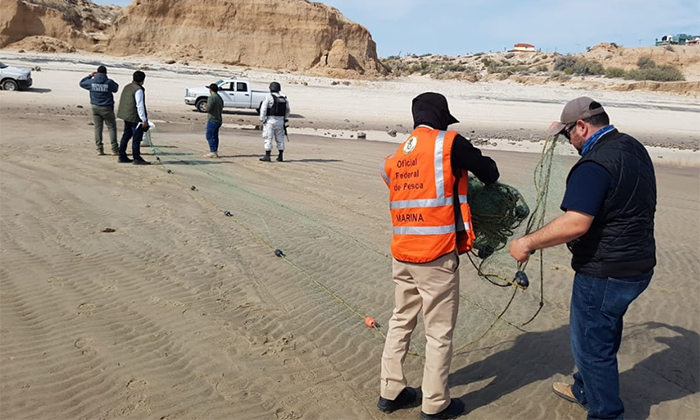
column 455, row 409
column 280, row 156
column 124, row 159
column 265, row 159
column 141, row 162
column 405, row 398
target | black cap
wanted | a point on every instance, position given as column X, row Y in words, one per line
column 431, row 109
column 213, row 87
column 102, row 69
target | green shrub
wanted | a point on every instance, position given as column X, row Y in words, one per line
column 563, row 62
column 588, row 67
column 657, row 74
column 560, row 76
column 454, row 67
column 615, row 72
column 508, row 70
column 572, row 65
column 646, row 63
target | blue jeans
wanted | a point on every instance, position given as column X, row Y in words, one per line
column 213, row 135
column 597, row 307
column 131, row 130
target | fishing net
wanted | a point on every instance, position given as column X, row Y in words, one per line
column 497, row 211
column 502, row 213
column 342, row 276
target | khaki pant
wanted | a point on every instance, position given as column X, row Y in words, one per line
column 100, row 116
column 433, row 288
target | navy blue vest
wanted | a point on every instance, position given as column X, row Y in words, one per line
column 620, row 241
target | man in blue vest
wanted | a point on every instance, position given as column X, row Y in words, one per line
column 102, row 91
column 608, row 225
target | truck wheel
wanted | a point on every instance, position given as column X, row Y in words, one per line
column 9, row 85
column 201, row 105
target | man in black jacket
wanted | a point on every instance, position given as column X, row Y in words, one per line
column 608, row 225
column 102, row 91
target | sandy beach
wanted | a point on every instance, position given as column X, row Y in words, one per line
column 127, row 292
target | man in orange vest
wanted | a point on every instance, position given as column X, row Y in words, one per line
column 427, row 179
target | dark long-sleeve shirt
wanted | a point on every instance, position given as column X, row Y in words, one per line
column 215, row 107
column 466, row 156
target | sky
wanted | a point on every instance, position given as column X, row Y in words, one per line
column 460, row 27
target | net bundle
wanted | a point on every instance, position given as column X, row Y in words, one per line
column 497, row 211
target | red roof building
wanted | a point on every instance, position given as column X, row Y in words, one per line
column 523, row 48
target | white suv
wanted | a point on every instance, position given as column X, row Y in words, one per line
column 13, row 78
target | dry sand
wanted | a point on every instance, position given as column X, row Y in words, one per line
column 184, row 313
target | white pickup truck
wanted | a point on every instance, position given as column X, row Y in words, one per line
column 235, row 93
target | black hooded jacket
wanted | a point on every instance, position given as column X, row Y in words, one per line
column 430, row 109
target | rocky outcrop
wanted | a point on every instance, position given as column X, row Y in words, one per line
column 691, row 89
column 78, row 22
column 44, row 44
column 295, row 35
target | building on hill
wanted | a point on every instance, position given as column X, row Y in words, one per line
column 680, row 39
column 523, row 48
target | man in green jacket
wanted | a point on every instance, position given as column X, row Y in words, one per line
column 132, row 109
column 214, row 120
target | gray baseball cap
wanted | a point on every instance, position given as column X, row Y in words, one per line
column 577, row 109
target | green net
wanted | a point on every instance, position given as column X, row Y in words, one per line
column 497, row 211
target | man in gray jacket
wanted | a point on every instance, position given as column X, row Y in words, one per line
column 101, row 90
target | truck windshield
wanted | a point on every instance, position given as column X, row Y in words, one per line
column 2, row 65
column 218, row 83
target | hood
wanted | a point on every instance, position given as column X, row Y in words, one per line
column 431, row 109
column 198, row 89
column 15, row 71
column 100, row 78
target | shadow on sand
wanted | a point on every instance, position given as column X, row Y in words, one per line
column 667, row 375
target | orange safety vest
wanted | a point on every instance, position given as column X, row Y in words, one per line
column 428, row 204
